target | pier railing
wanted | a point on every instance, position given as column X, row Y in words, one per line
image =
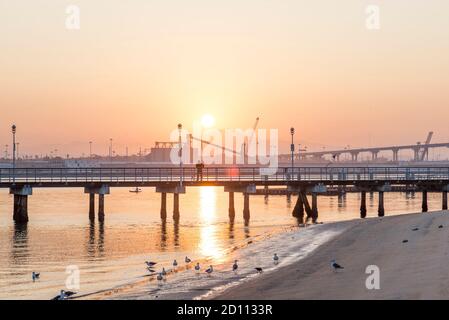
column 220, row 174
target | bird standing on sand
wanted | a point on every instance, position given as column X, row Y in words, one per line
column 187, row 260
column 197, row 267
column 175, row 264
column 35, row 276
column 150, row 263
column 259, row 270
column 275, row 258
column 64, row 295
column 164, row 273
column 235, row 266
column 210, row 270
column 335, row 266
column 160, row 278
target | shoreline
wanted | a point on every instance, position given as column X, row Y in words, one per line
column 415, row 269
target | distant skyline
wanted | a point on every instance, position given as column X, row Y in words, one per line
column 136, row 69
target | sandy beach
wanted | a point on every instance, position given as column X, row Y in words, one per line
column 416, row 269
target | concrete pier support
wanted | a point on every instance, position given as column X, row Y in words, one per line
column 231, row 206
column 314, row 207
column 363, row 205
column 307, row 207
column 298, row 210
column 20, row 210
column 91, row 206
column 163, row 206
column 101, row 190
column 444, row 206
column 246, row 190
column 101, row 207
column 176, row 206
column 425, row 207
column 176, row 190
column 246, row 213
column 381, row 209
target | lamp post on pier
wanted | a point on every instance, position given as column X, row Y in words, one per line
column 180, row 154
column 13, row 129
column 292, row 147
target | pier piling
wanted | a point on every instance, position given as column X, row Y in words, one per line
column 381, row 209
column 231, row 206
column 20, row 208
column 246, row 213
column 101, row 207
column 298, row 210
column 363, row 205
column 314, row 207
column 163, row 206
column 444, row 200
column 176, row 206
column 425, row 208
column 91, row 206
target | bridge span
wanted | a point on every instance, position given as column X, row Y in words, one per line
column 301, row 181
column 354, row 153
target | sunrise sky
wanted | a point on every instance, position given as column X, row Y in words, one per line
column 137, row 68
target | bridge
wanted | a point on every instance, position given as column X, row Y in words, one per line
column 416, row 148
column 301, row 181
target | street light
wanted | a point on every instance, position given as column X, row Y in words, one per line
column 13, row 129
column 180, row 153
column 110, row 150
column 292, row 147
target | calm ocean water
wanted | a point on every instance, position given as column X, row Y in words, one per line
column 110, row 256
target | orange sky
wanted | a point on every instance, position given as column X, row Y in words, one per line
column 137, row 68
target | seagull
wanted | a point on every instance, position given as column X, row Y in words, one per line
column 160, row 278
column 209, row 270
column 259, row 270
column 164, row 273
column 150, row 263
column 335, row 265
column 197, row 267
column 187, row 260
column 35, row 276
column 235, row 266
column 276, row 259
column 175, row 264
column 64, row 295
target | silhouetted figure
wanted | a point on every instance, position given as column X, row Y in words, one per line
column 199, row 171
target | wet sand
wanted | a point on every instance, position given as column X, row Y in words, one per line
column 417, row 269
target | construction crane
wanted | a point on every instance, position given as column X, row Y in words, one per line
column 245, row 144
column 425, row 150
column 191, row 137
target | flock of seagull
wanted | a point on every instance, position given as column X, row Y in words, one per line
column 161, row 276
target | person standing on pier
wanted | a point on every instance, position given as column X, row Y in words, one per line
column 199, row 171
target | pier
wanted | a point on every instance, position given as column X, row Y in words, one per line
column 305, row 182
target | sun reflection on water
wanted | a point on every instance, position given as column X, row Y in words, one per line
column 208, row 245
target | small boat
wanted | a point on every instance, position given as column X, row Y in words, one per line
column 136, row 190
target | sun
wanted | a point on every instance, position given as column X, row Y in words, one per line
column 207, row 121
